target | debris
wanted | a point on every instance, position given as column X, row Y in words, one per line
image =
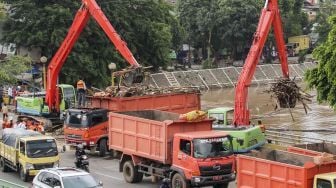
column 287, row 93
column 142, row 90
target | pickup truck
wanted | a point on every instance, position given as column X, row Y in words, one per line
column 27, row 152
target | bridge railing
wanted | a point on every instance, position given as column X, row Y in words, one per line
column 285, row 138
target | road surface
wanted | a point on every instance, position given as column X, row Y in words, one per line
column 104, row 169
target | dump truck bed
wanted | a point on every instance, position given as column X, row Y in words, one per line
column 172, row 102
column 149, row 133
column 278, row 168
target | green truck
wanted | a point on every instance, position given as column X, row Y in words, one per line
column 248, row 138
column 27, row 152
column 32, row 106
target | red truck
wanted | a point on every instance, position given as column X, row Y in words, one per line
column 157, row 143
column 89, row 126
column 294, row 168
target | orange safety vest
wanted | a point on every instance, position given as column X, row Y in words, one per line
column 80, row 84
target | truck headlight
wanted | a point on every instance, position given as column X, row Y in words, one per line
column 197, row 180
column 29, row 166
column 56, row 164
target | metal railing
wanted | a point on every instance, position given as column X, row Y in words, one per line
column 284, row 138
column 7, row 184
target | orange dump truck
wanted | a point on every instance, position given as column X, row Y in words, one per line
column 89, row 126
column 157, row 143
column 285, row 169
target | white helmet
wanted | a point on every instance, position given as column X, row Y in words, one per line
column 80, row 146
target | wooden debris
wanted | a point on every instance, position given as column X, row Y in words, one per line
column 142, row 90
column 287, row 93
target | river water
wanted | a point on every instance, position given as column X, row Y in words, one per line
column 262, row 106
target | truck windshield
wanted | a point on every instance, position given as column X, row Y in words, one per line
column 41, row 148
column 86, row 181
column 212, row 147
column 76, row 120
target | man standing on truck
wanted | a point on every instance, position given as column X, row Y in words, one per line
column 81, row 89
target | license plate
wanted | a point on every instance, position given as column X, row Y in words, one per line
column 216, row 178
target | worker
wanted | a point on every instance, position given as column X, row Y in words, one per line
column 10, row 94
column 20, row 124
column 81, row 90
column 7, row 123
column 262, row 127
column 4, row 111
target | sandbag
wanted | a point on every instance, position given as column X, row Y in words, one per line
column 195, row 115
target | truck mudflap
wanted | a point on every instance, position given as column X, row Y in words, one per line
column 212, row 180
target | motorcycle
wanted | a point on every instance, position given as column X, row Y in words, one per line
column 82, row 160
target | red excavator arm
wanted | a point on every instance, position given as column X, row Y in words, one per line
column 89, row 7
column 270, row 15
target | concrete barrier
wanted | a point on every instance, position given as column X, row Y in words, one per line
column 225, row 77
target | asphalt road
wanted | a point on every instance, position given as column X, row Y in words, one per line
column 104, row 169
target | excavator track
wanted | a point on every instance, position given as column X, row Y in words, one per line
column 41, row 124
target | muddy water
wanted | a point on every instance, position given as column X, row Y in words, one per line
column 262, row 106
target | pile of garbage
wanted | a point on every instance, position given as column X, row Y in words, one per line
column 115, row 91
column 287, row 93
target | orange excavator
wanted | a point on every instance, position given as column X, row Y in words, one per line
column 45, row 108
column 251, row 137
column 270, row 16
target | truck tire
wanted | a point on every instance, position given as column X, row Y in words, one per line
column 178, row 181
column 23, row 175
column 3, row 166
column 130, row 173
column 222, row 185
column 102, row 148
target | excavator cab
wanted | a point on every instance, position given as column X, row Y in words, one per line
column 133, row 76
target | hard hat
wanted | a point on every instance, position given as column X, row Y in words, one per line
column 80, row 146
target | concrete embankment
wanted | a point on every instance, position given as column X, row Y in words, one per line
column 225, row 77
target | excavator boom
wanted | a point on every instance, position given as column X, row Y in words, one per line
column 270, row 15
column 89, row 7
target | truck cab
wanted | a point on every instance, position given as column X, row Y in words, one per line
column 250, row 137
column 88, row 127
column 204, row 158
column 27, row 152
column 327, row 180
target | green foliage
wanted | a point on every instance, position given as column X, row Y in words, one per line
column 323, row 78
column 327, row 9
column 13, row 66
column 149, row 28
column 230, row 24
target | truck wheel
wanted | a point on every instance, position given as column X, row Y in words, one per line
column 102, row 148
column 179, row 182
column 223, row 185
column 3, row 165
column 130, row 173
column 23, row 175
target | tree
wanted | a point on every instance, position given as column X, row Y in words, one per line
column 239, row 20
column 323, row 77
column 145, row 25
column 327, row 9
column 12, row 67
